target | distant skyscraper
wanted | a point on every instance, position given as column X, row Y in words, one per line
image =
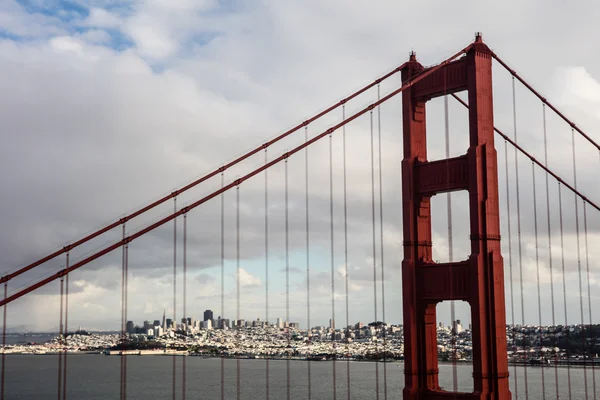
column 156, row 323
column 279, row 323
column 208, row 314
column 169, row 323
column 164, row 324
column 130, row 327
column 331, row 323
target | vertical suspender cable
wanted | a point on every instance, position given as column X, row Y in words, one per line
column 374, row 252
column 183, row 361
column 537, row 264
column 123, row 321
column 64, row 380
column 3, row 341
column 287, row 280
column 222, row 281
column 332, row 266
column 237, row 258
column 519, row 232
column 174, row 290
column 510, row 268
column 585, row 382
column 60, row 339
column 126, row 302
column 550, row 258
column 587, row 265
column 450, row 239
column 564, row 279
column 266, row 268
column 381, row 245
column 346, row 252
column 308, row 326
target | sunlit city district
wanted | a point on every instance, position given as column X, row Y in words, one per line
column 222, row 337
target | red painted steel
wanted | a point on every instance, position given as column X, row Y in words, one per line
column 128, row 239
column 535, row 160
column 480, row 279
column 195, row 183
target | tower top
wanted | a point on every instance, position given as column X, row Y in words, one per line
column 478, row 37
column 412, row 56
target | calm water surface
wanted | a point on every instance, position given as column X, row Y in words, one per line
column 97, row 377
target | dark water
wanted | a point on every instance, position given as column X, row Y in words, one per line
column 97, row 377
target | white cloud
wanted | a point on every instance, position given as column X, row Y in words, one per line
column 101, row 18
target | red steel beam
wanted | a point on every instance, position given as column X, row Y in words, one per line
column 532, row 158
column 233, row 184
column 545, row 101
column 115, row 224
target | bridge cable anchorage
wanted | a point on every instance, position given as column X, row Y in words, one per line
column 267, row 394
column 331, row 231
column 174, row 369
column 185, row 323
column 510, row 268
column 60, row 338
column 307, row 224
column 550, row 256
column 576, row 199
column 204, row 178
column 66, row 329
column 381, row 245
column 3, row 342
column 564, row 282
column 537, row 266
column 229, row 186
column 287, row 280
column 348, row 385
column 237, row 293
column 222, row 196
column 587, row 265
column 545, row 101
column 450, row 237
column 373, row 250
column 520, row 249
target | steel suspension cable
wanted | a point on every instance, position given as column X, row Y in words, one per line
column 374, row 253
column 64, row 380
column 545, row 101
column 550, row 257
column 267, row 394
column 579, row 262
column 287, row 280
column 564, row 279
column 537, row 264
column 215, row 172
column 124, row 356
column 237, row 293
column 346, row 252
column 381, row 246
column 587, row 265
column 520, row 251
column 185, row 333
column 123, row 318
column 3, row 341
column 222, row 280
column 510, row 268
column 233, row 184
column 334, row 386
column 307, row 223
column 174, row 379
column 60, row 334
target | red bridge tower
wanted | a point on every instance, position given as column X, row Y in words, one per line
column 480, row 279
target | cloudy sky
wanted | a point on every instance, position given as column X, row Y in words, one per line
column 108, row 105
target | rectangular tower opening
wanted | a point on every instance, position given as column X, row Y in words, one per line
column 450, row 237
column 454, row 343
column 457, row 125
